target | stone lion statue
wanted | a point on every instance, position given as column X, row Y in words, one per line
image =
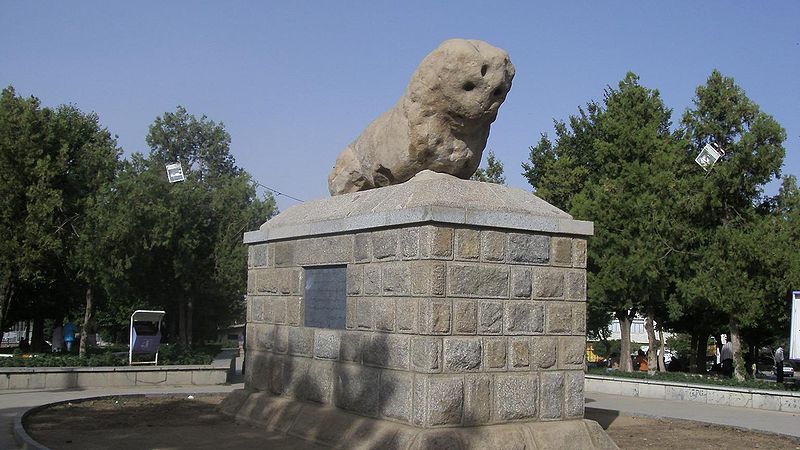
column 440, row 123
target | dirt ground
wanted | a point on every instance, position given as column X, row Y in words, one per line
column 176, row 422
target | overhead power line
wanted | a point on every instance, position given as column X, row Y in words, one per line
column 277, row 192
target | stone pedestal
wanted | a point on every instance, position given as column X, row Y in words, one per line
column 436, row 303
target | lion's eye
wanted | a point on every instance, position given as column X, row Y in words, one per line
column 468, row 86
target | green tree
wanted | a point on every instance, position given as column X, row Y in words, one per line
column 723, row 205
column 493, row 173
column 612, row 165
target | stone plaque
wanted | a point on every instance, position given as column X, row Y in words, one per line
column 326, row 296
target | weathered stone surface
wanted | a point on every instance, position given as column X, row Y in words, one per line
column 372, row 279
column 579, row 253
column 396, row 393
column 528, row 248
column 326, row 344
column 384, row 244
column 409, row 243
column 294, row 311
column 435, row 316
column 519, row 353
column 436, row 242
column 406, row 313
column 490, row 317
column 387, row 350
column 384, row 314
column 355, row 389
column 477, row 400
column 574, row 394
column 495, row 353
column 493, row 245
column 515, row 396
column 365, row 315
column 466, row 280
column 561, row 251
column 571, row 351
column 559, row 317
column 362, row 247
column 350, row 346
column 521, row 282
column 523, row 317
column 323, row 250
column 468, row 244
column 428, row 278
column 257, row 256
column 281, row 339
column 277, row 310
column 445, row 405
column 465, row 316
column 462, row 354
column 440, row 123
column 426, row 354
column 355, row 279
column 396, row 279
column 551, row 395
column 548, row 282
column 301, row 341
column 544, row 354
column 575, row 281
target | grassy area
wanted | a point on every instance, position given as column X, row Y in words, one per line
column 168, row 355
column 714, row 380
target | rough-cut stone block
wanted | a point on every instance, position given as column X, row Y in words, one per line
column 365, row 315
column 350, row 318
column 384, row 314
column 561, row 251
column 281, row 339
column 579, row 318
column 436, row 242
column 579, row 253
column 559, row 317
column 465, row 316
column 409, row 243
column 548, row 282
column 575, row 285
column 543, row 352
column 493, row 245
column 523, row 317
column 284, row 253
column 372, row 279
column 355, row 279
column 350, row 346
column 551, row 395
column 289, row 281
column 485, row 281
column 574, row 394
column 265, row 281
column 251, row 282
column 515, row 396
column 419, row 409
column 301, row 341
column 278, row 307
column 426, row 354
column 362, row 247
column 435, row 316
column 384, row 244
column 326, row 344
column 468, row 244
column 445, row 403
column 387, row 350
column 462, row 354
column 571, row 351
column 294, row 311
column 356, row 390
column 396, row 394
column 490, row 317
column 495, row 353
column 406, row 312
column 257, row 308
column 260, row 336
column 519, row 353
column 396, row 279
column 521, row 282
column 477, row 399
column 257, row 255
column 528, row 248
column 428, row 278
column 324, row 250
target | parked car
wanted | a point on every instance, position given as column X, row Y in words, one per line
column 767, row 364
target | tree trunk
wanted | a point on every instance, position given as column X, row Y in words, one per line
column 5, row 303
column 625, row 364
column 702, row 351
column 736, row 344
column 37, row 334
column 182, row 322
column 693, row 353
column 652, row 344
column 88, row 314
column 662, row 366
column 189, row 315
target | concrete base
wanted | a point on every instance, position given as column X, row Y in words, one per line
column 333, row 427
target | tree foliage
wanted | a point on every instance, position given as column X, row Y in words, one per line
column 493, row 173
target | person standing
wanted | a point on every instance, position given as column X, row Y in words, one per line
column 727, row 359
column 69, row 335
column 779, row 364
column 57, row 341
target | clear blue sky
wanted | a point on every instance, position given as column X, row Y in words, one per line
column 294, row 82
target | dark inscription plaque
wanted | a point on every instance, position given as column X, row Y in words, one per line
column 326, row 296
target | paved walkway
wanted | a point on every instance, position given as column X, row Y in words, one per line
column 15, row 402
column 747, row 418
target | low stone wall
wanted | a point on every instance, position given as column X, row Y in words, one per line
column 95, row 377
column 712, row 395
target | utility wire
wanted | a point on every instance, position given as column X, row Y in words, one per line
column 277, row 192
